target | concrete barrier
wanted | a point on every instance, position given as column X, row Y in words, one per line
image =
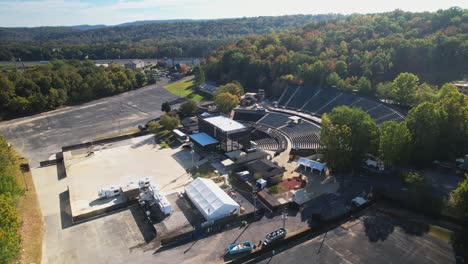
column 103, row 141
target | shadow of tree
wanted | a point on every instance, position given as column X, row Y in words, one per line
column 378, row 227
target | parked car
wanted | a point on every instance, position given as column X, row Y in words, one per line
column 240, row 247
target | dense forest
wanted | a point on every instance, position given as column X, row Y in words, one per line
column 46, row 87
column 353, row 52
column 169, row 39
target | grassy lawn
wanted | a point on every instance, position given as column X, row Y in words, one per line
column 185, row 88
column 32, row 226
column 205, row 171
column 440, row 233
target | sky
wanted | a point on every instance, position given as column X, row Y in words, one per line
column 33, row 13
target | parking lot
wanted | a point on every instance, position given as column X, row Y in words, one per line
column 373, row 238
column 40, row 136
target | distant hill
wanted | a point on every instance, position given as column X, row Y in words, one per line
column 126, row 24
column 141, row 39
column 87, row 27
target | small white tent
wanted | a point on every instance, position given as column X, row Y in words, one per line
column 212, row 202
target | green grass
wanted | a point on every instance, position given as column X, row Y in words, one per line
column 186, row 89
column 440, row 233
column 205, row 171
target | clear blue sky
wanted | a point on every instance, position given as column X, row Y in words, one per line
column 14, row 13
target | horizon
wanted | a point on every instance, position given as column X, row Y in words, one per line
column 52, row 13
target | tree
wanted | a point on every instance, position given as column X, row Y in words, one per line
column 166, row 107
column 455, row 131
column 188, row 108
column 140, row 78
column 364, row 86
column 150, row 77
column 153, row 126
column 384, row 91
column 459, row 197
column 226, row 102
column 336, row 144
column 395, row 140
column 351, row 134
column 424, row 123
column 405, row 85
column 169, row 122
column 233, row 88
column 199, row 75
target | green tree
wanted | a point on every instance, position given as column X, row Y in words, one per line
column 166, row 107
column 140, row 78
column 424, row 123
column 454, row 134
column 405, row 85
column 395, row 141
column 199, row 75
column 384, row 91
column 459, row 197
column 150, row 77
column 364, row 86
column 336, row 143
column 188, row 108
column 363, row 136
column 226, row 102
column 169, row 122
column 233, row 88
column 153, row 126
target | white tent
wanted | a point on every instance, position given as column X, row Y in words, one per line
column 312, row 164
column 212, row 202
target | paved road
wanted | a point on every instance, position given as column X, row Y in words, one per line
column 374, row 238
column 40, row 136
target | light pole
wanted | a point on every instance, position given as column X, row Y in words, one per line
column 284, row 216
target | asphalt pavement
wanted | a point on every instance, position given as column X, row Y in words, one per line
column 40, row 136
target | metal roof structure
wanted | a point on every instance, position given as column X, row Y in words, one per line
column 203, row 139
column 225, row 124
column 212, row 202
column 312, row 164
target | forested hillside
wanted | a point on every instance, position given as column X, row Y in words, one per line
column 354, row 52
column 168, row 39
column 46, row 87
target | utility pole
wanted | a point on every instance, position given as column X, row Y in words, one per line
column 254, row 195
column 284, row 216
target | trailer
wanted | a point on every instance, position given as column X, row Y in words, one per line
column 239, row 248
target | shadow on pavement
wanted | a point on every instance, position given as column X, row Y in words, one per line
column 147, row 230
column 379, row 227
column 65, row 211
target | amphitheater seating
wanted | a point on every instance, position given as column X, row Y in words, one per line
column 274, row 120
column 304, row 135
column 265, row 141
column 301, row 97
column 287, row 95
column 318, row 101
column 341, row 99
column 248, row 115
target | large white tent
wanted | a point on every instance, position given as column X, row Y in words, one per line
column 212, row 202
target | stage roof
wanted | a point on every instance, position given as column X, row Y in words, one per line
column 224, row 123
column 203, row 139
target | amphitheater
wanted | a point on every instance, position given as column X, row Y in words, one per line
column 273, row 129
